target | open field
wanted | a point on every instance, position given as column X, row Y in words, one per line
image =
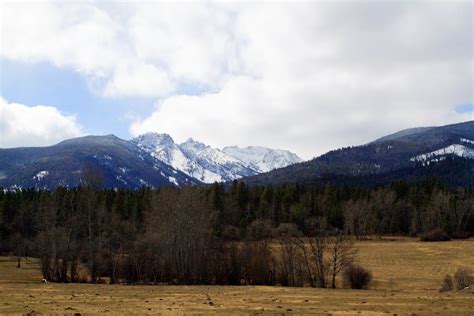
column 407, row 276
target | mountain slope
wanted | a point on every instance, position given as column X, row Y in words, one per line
column 208, row 164
column 405, row 132
column 399, row 151
column 263, row 159
column 119, row 162
column 163, row 148
column 216, row 161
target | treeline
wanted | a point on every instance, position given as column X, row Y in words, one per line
column 289, row 235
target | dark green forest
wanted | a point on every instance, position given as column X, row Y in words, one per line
column 216, row 234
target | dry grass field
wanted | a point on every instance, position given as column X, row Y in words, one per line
column 407, row 276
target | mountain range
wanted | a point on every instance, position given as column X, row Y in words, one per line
column 208, row 164
column 155, row 160
column 151, row 160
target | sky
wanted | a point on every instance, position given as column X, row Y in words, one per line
column 304, row 76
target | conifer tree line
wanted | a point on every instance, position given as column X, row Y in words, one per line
column 288, row 235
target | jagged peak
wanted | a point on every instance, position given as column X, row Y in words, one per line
column 154, row 137
column 195, row 143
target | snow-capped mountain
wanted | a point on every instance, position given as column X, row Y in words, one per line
column 185, row 157
column 155, row 160
column 117, row 162
column 216, row 161
column 262, row 159
column 208, row 164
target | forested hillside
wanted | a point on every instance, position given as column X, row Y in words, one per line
column 394, row 157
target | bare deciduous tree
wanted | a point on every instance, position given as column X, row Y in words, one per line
column 341, row 249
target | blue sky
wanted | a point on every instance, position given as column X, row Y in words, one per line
column 308, row 77
column 44, row 84
column 465, row 108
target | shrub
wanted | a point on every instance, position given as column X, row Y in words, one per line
column 435, row 235
column 447, row 284
column 460, row 235
column 463, row 278
column 357, row 277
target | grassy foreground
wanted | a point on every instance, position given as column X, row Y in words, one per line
column 407, row 276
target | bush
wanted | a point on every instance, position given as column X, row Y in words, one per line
column 357, row 277
column 447, row 284
column 435, row 235
column 463, row 278
column 461, row 235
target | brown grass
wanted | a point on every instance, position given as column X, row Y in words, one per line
column 407, row 276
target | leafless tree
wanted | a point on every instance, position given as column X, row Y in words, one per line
column 355, row 214
column 341, row 249
column 290, row 262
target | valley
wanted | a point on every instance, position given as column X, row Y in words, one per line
column 407, row 276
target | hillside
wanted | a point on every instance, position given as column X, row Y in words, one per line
column 117, row 162
column 413, row 153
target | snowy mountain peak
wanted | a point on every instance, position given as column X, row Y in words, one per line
column 150, row 139
column 191, row 143
column 263, row 159
column 208, row 164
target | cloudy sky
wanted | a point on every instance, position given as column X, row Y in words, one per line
column 306, row 76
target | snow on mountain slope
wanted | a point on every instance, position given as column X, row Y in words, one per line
column 467, row 141
column 209, row 164
column 262, row 159
column 163, row 148
column 437, row 155
column 216, row 161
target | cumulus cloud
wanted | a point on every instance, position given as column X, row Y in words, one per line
column 144, row 49
column 40, row 125
column 317, row 77
column 303, row 76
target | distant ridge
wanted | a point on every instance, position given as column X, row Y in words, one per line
column 402, row 133
column 440, row 148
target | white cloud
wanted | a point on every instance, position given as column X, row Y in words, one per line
column 304, row 76
column 131, row 79
column 40, row 125
column 144, row 49
column 325, row 76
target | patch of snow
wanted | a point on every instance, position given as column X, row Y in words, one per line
column 143, row 182
column 119, row 178
column 41, row 175
column 455, row 149
column 15, row 188
column 173, row 180
column 465, row 140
